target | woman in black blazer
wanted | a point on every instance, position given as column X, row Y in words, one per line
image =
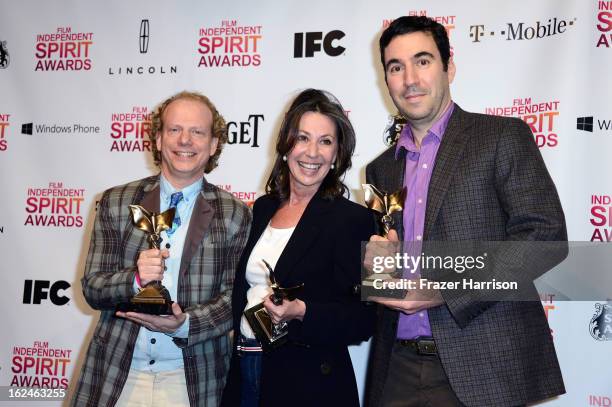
column 313, row 235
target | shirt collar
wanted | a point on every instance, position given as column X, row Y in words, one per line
column 406, row 139
column 189, row 192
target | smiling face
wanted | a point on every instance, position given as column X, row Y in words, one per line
column 315, row 150
column 185, row 141
column 416, row 79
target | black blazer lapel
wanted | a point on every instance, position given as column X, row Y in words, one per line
column 265, row 208
column 261, row 221
column 449, row 155
column 306, row 232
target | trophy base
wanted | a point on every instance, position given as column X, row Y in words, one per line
column 146, row 308
column 153, row 299
column 371, row 288
column 270, row 336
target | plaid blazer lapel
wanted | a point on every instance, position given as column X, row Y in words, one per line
column 150, row 199
column 201, row 218
column 449, row 155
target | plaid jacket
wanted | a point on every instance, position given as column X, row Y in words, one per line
column 489, row 183
column 217, row 233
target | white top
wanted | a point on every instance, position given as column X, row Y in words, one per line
column 269, row 247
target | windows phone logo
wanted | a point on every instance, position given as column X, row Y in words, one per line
column 585, row 123
column 26, row 128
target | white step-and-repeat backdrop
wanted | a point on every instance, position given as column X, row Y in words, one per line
column 78, row 80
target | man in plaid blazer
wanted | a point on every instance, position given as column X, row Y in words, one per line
column 182, row 358
column 470, row 177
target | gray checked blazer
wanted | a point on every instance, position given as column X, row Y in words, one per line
column 217, row 233
column 489, row 183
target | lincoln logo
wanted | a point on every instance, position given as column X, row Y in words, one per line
column 144, row 36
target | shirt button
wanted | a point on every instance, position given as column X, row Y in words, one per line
column 167, row 245
column 419, row 200
column 421, row 314
column 419, row 237
column 153, row 341
column 424, row 166
column 151, row 362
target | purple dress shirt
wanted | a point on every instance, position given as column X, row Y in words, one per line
column 419, row 166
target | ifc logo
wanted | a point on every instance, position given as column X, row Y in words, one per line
column 34, row 291
column 311, row 42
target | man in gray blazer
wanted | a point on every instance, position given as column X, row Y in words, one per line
column 469, row 177
column 180, row 359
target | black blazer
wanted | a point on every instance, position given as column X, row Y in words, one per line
column 489, row 183
column 324, row 253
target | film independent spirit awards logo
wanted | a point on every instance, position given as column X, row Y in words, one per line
column 600, row 326
column 5, row 58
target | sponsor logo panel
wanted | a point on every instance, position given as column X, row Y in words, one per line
column 144, row 36
column 40, row 364
column 248, row 197
column 448, row 21
column 245, row 132
column 229, row 44
column 604, row 24
column 140, row 65
column 594, row 124
column 599, row 400
column 600, row 326
column 130, row 130
column 66, row 49
column 306, row 44
column 54, row 205
column 5, row 57
column 540, row 116
column 46, row 129
column 40, row 291
column 601, row 218
column 522, row 30
column 4, row 126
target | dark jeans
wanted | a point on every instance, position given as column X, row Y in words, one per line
column 250, row 369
